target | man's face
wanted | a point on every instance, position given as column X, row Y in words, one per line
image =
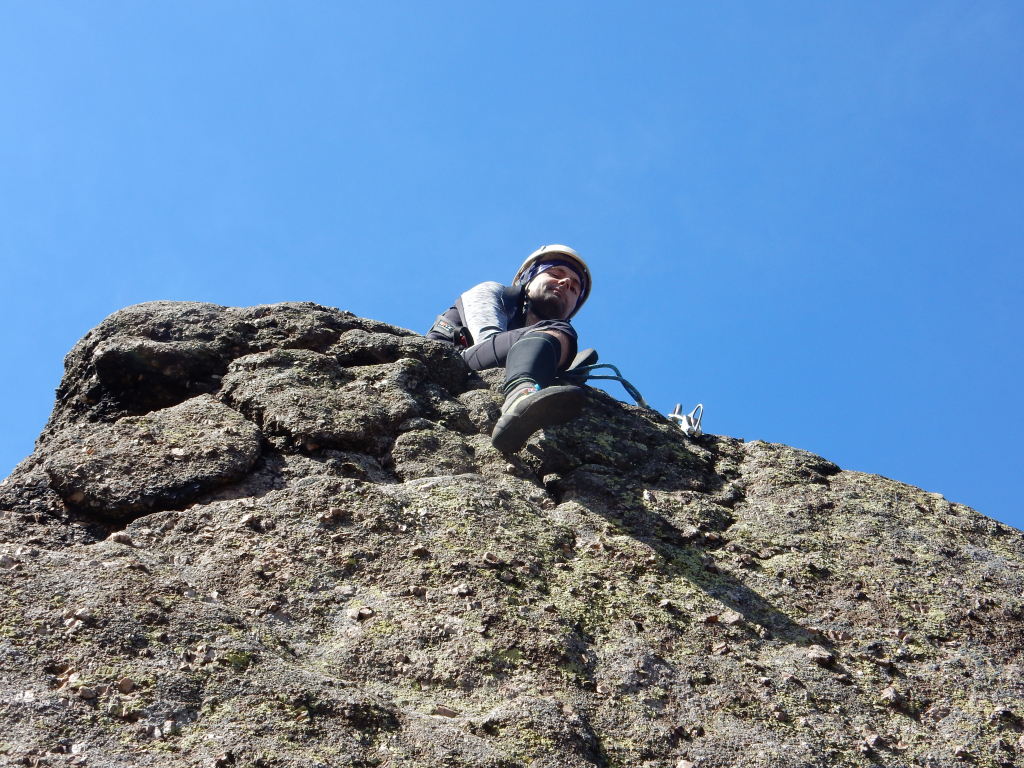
column 555, row 292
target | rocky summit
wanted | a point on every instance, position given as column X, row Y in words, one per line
column 279, row 536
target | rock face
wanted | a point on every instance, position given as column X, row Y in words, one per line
column 165, row 458
column 279, row 536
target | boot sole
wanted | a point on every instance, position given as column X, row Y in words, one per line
column 545, row 409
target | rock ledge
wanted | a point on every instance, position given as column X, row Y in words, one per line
column 279, row 536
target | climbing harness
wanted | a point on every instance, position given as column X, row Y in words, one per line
column 688, row 422
column 453, row 332
column 586, row 372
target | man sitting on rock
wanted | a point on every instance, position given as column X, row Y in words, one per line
column 526, row 329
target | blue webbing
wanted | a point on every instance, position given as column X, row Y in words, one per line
column 587, row 371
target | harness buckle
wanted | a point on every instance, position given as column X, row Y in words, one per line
column 455, row 334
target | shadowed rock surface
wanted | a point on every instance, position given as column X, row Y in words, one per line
column 279, row 536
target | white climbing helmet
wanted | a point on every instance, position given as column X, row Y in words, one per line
column 558, row 252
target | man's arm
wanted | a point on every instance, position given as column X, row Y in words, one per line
column 482, row 311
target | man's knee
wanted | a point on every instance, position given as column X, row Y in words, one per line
column 566, row 342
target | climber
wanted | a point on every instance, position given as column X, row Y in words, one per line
column 525, row 329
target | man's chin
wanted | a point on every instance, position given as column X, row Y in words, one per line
column 549, row 307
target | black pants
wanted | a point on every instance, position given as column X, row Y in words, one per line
column 493, row 352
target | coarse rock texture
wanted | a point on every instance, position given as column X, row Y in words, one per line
column 164, row 459
column 279, row 536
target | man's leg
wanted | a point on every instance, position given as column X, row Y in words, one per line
column 531, row 402
column 494, row 351
column 532, row 358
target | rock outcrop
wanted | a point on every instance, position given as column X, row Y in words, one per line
column 279, row 536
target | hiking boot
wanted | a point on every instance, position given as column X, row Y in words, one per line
column 528, row 409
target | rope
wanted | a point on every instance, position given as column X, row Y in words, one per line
column 688, row 423
column 586, row 372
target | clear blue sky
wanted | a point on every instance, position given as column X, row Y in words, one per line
column 808, row 216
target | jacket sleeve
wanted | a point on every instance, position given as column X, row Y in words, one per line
column 482, row 311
